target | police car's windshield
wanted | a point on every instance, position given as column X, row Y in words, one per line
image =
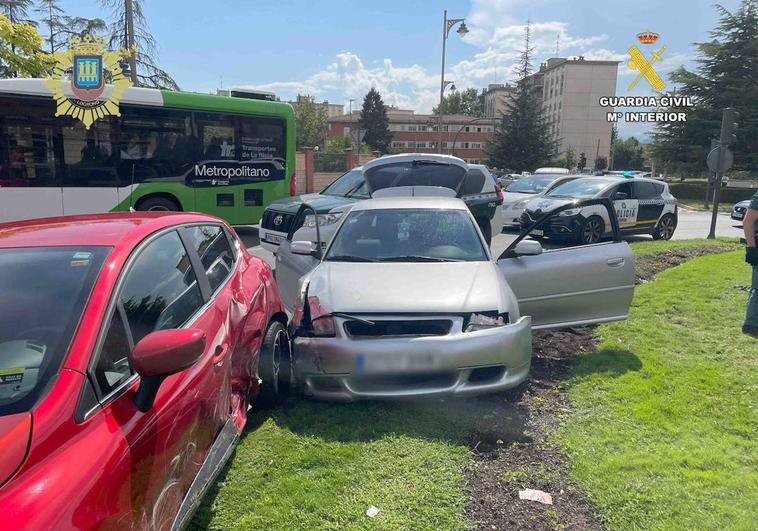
column 347, row 185
column 581, row 188
column 531, row 185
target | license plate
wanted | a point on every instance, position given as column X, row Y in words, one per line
column 738, row 215
column 273, row 238
column 537, row 232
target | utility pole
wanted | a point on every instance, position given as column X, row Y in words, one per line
column 721, row 159
column 352, row 133
column 129, row 16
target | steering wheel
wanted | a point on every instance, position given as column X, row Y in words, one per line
column 43, row 334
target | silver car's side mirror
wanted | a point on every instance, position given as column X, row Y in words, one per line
column 304, row 247
column 528, row 248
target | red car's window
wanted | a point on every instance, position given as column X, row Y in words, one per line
column 43, row 292
column 212, row 244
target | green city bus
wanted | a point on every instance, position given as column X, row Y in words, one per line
column 226, row 156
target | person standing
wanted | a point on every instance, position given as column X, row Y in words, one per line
column 750, row 226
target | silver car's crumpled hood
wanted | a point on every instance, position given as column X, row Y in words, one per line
column 382, row 287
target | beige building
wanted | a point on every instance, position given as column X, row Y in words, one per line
column 332, row 109
column 494, row 99
column 570, row 91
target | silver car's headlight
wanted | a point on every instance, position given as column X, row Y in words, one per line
column 323, row 219
column 485, row 321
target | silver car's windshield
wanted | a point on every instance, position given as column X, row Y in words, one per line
column 407, row 235
column 531, row 185
column 581, row 188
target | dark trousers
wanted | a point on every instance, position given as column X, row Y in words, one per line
column 751, row 317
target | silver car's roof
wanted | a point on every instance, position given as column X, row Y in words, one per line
column 449, row 203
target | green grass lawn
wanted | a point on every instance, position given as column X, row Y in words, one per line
column 315, row 465
column 651, row 247
column 665, row 431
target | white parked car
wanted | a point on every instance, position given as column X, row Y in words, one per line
column 407, row 301
column 517, row 194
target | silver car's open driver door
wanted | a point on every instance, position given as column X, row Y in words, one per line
column 572, row 286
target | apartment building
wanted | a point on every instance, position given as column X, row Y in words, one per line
column 570, row 90
column 494, row 99
column 462, row 135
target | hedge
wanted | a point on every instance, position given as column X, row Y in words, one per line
column 697, row 191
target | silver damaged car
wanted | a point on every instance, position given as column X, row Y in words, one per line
column 406, row 301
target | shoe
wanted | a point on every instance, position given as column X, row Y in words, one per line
column 750, row 330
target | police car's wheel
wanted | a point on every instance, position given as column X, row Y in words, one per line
column 275, row 367
column 592, row 230
column 665, row 228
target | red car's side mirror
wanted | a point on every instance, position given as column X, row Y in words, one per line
column 161, row 354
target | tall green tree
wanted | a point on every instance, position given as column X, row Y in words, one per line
column 374, row 120
column 521, row 139
column 461, row 102
column 17, row 11
column 628, row 154
column 311, row 121
column 725, row 77
column 53, row 16
column 20, row 54
column 149, row 73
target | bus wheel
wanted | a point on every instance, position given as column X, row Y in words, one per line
column 157, row 204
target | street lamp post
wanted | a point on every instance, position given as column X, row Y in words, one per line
column 350, row 118
column 447, row 25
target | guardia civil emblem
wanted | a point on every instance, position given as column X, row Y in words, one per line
column 87, row 82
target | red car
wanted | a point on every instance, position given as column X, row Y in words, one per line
column 130, row 348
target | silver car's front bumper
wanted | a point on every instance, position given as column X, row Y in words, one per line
column 458, row 363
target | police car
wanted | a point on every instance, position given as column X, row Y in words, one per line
column 643, row 206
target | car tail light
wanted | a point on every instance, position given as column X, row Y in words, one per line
column 323, row 326
column 499, row 190
column 293, row 185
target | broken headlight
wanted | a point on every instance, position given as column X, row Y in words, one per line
column 485, row 321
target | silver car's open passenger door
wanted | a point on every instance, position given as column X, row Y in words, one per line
column 291, row 266
column 571, row 286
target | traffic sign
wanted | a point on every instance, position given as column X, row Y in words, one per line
column 727, row 160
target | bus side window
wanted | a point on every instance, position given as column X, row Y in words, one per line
column 217, row 135
column 27, row 150
column 155, row 143
column 262, row 138
column 88, row 158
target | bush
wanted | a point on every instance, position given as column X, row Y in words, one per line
column 697, row 191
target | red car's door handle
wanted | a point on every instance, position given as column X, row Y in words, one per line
column 219, row 353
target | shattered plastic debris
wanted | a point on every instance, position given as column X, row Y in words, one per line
column 535, row 495
column 372, row 511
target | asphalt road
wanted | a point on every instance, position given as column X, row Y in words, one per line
column 692, row 225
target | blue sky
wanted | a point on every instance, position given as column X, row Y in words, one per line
column 338, row 49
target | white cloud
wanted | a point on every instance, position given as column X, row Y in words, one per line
column 498, row 40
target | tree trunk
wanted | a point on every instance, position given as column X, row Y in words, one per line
column 129, row 16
